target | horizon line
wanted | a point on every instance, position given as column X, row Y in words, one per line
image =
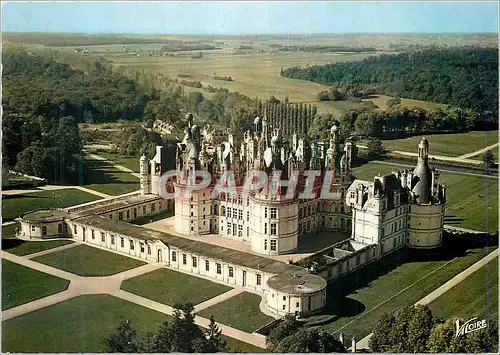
column 255, row 34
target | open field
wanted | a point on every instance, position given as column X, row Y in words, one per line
column 129, row 162
column 15, row 205
column 88, row 261
column 21, row 247
column 469, row 198
column 381, row 41
column 255, row 74
column 381, row 102
column 170, row 287
column 107, row 179
column 396, row 281
column 240, row 312
column 452, row 145
column 21, row 285
column 470, row 298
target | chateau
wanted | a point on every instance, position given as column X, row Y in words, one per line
column 309, row 188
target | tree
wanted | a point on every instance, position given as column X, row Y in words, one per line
column 415, row 329
column 375, row 148
column 288, row 326
column 214, row 337
column 419, row 329
column 307, row 340
column 393, row 102
column 488, row 159
column 381, row 341
column 124, row 340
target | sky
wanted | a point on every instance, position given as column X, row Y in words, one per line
column 231, row 18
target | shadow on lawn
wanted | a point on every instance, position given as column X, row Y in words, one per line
column 97, row 172
column 339, row 304
column 11, row 243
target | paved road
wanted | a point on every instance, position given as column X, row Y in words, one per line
column 363, row 343
column 477, row 152
column 55, row 188
column 451, row 170
column 440, row 157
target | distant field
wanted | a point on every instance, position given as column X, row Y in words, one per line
column 452, row 145
column 381, row 100
column 255, row 74
column 15, row 205
column 469, row 198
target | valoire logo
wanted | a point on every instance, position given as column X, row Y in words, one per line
column 470, row 326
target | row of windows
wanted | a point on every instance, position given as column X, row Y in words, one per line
column 112, row 239
column 194, row 261
column 134, row 212
column 297, row 304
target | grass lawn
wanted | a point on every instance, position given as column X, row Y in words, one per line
column 9, row 231
column 15, row 205
column 362, row 297
column 81, row 324
column 105, row 178
column 21, row 247
column 452, row 145
column 21, row 285
column 240, row 312
column 129, row 162
column 466, row 204
column 84, row 260
column 470, row 298
column 171, row 287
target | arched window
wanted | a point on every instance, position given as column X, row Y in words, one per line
column 222, row 211
column 216, row 209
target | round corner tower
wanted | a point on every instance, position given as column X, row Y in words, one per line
column 427, row 204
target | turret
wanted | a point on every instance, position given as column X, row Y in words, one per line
column 144, row 175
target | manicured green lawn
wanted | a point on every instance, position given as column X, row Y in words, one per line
column 21, row 284
column 387, row 286
column 470, row 298
column 128, row 162
column 81, row 324
column 15, row 205
column 240, row 312
column 469, row 198
column 84, row 260
column 104, row 177
column 21, row 247
column 171, row 287
column 452, row 145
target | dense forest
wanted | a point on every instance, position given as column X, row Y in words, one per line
column 465, row 77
